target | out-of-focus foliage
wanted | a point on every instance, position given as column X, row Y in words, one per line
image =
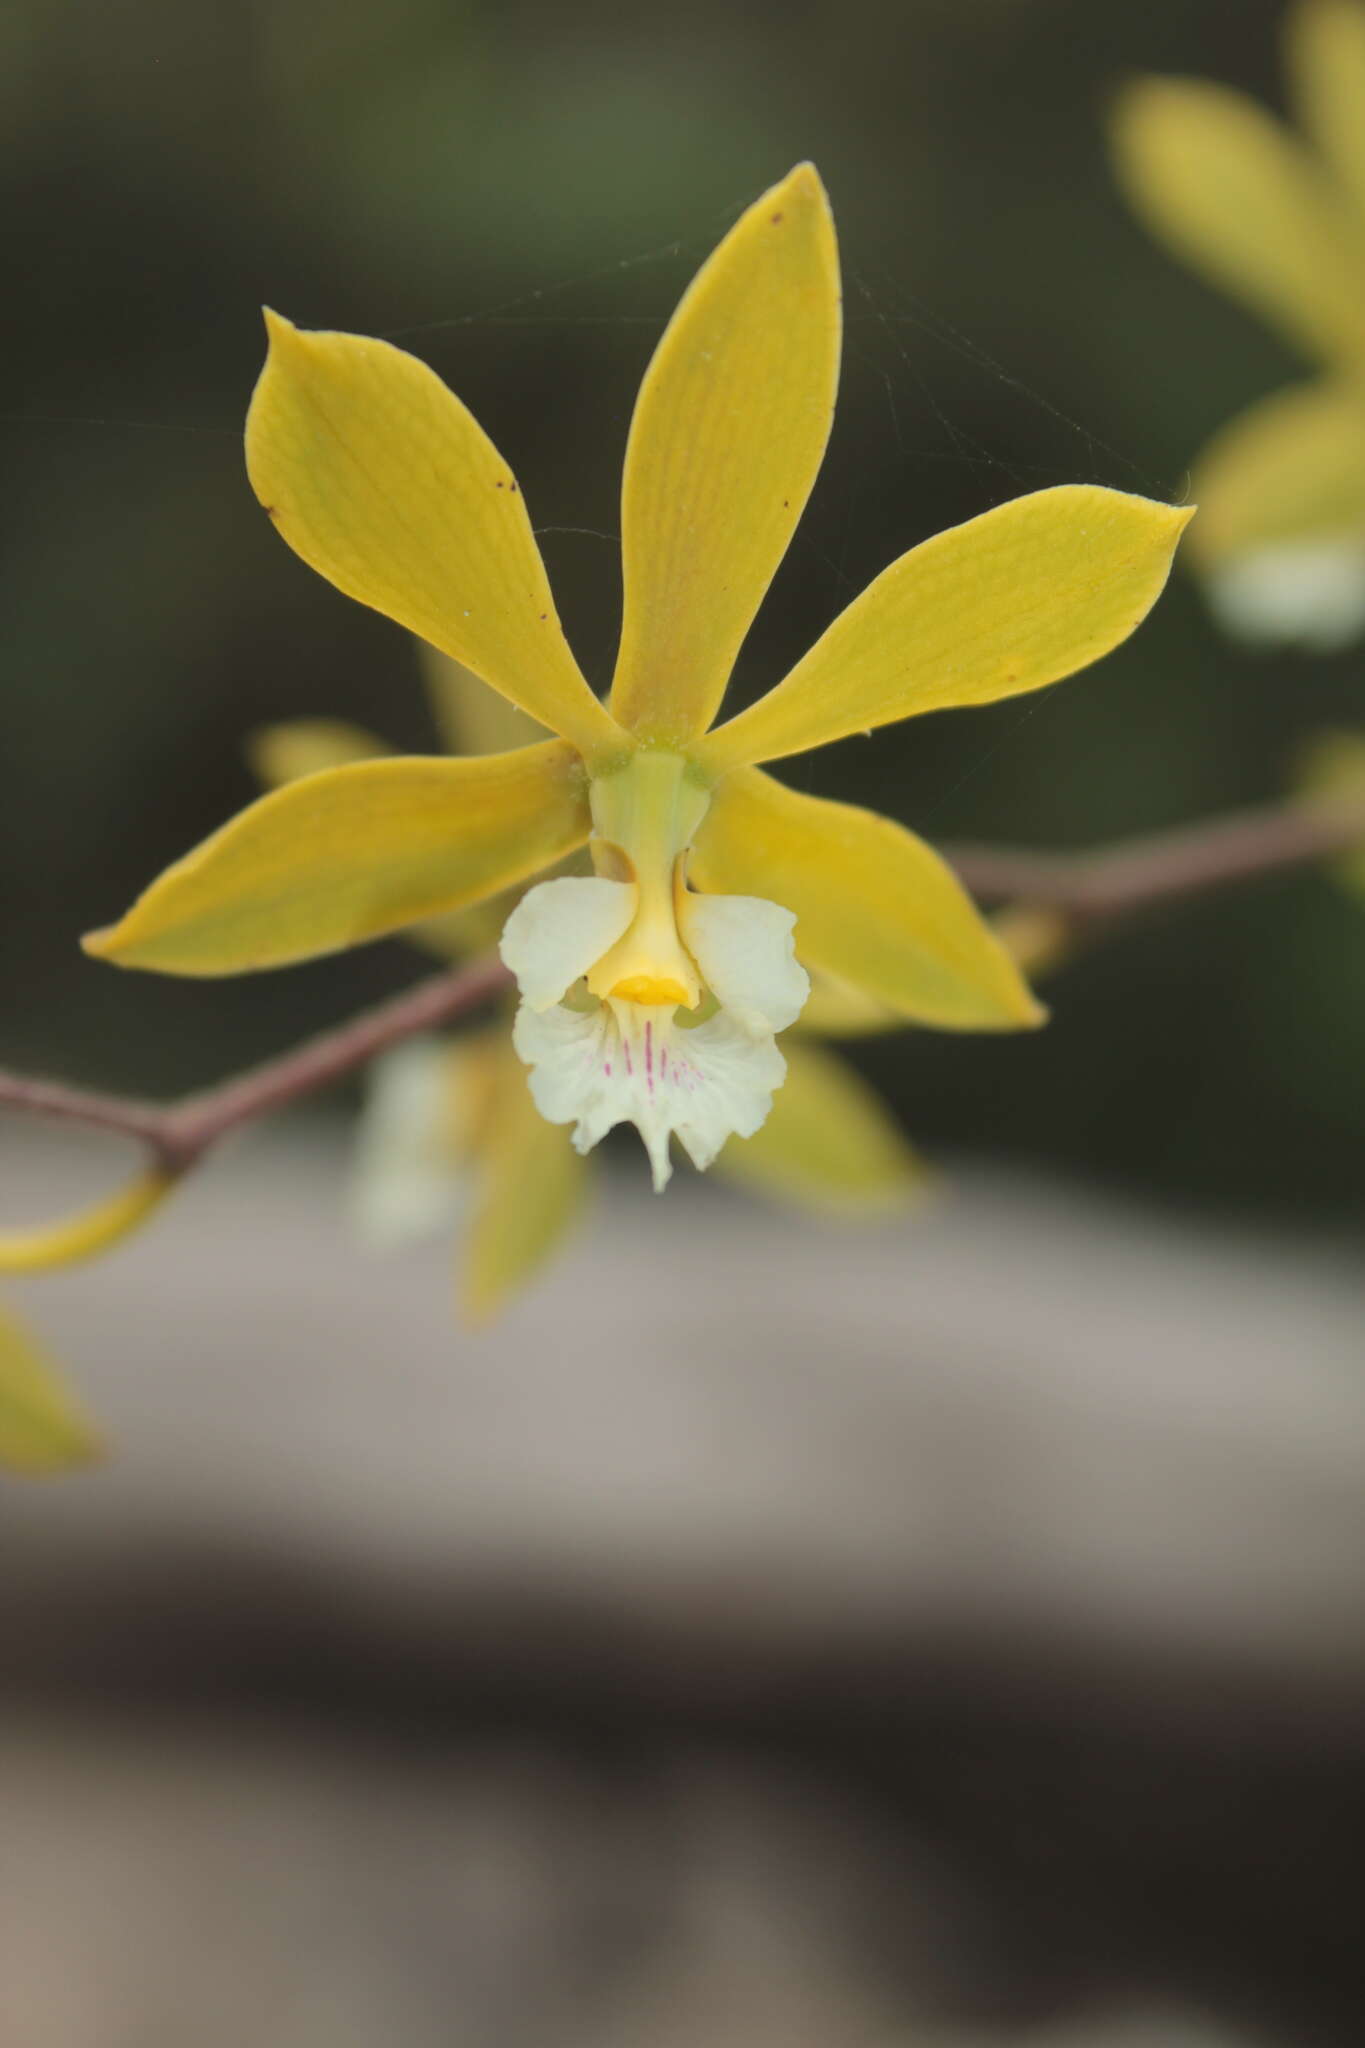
column 519, row 193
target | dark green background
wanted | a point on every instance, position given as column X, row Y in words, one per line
column 520, row 192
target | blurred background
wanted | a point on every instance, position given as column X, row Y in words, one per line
column 995, row 1668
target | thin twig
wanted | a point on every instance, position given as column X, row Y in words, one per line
column 1089, row 889
column 177, row 1134
column 1094, row 888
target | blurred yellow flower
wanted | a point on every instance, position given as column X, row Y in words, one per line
column 1280, row 223
column 42, row 1426
column 652, row 989
column 71, row 1239
column 1331, row 767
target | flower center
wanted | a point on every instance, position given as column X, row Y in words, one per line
column 645, row 818
column 641, row 1047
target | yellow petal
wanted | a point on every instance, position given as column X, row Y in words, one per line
column 1325, row 46
column 1291, row 467
column 1018, row 598
column 471, row 718
column 42, row 1427
column 425, row 1111
column 303, row 746
column 834, row 1009
column 829, row 1143
column 460, row 934
column 381, row 480
column 730, row 425
column 1331, row 771
column 1037, row 937
column 353, row 853
column 533, row 1186
column 286, row 753
column 87, row 1234
column 1230, row 190
column 875, row 907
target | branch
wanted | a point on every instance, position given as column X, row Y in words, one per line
column 1085, row 891
column 1093, row 889
column 191, row 1126
column 177, row 1134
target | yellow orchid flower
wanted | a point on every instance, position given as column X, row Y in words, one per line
column 448, row 1131
column 653, row 988
column 1278, row 222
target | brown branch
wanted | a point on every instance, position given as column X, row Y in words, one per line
column 1094, row 888
column 1089, row 889
column 177, row 1134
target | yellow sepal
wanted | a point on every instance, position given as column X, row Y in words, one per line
column 1325, row 49
column 728, row 433
column 352, row 853
column 1010, row 601
column 1227, row 187
column 381, row 480
column 460, row 934
column 1037, row 937
column 532, row 1185
column 1290, row 468
column 829, row 1143
column 875, row 907
column 834, row 1009
column 304, row 746
column 43, row 1428
column 90, row 1232
column 471, row 718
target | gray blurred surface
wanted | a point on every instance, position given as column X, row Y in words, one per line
column 1032, row 1402
column 947, row 1632
column 225, row 1888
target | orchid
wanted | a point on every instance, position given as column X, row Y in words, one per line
column 652, row 989
column 449, row 1134
column 1280, row 223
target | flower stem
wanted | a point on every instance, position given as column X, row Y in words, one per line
column 1093, row 888
column 177, row 1134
